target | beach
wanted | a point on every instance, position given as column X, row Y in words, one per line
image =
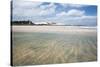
column 63, row 29
column 53, row 44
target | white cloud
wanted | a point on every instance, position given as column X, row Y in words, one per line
column 47, row 9
column 25, row 8
column 76, row 5
column 75, row 12
column 47, row 12
column 72, row 13
column 51, row 5
column 89, row 17
column 28, row 8
column 62, row 14
column 72, row 5
column 25, row 4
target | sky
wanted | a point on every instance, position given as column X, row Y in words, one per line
column 63, row 13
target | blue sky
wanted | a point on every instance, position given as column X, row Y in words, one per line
column 62, row 13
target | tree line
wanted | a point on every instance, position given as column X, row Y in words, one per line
column 22, row 23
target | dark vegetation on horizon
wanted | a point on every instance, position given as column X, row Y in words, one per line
column 22, row 23
column 28, row 22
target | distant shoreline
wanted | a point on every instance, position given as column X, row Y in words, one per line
column 57, row 26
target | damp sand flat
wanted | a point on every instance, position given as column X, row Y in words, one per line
column 62, row 29
column 34, row 45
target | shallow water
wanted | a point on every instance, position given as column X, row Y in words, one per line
column 52, row 48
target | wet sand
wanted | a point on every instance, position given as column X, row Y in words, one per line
column 63, row 29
